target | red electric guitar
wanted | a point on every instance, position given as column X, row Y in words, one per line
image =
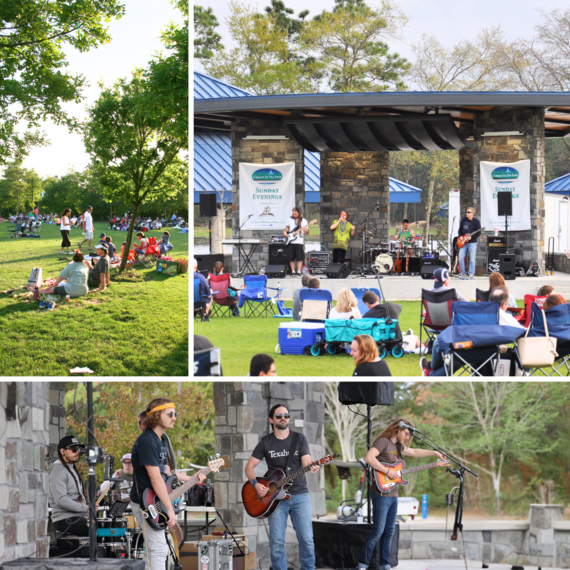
column 462, row 240
column 385, row 485
column 278, row 484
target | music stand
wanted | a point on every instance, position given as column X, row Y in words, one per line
column 118, row 509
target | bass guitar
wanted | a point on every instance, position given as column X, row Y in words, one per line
column 292, row 234
column 278, row 483
column 462, row 240
column 398, row 262
column 151, row 506
column 385, row 485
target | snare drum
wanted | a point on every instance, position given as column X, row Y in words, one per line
column 383, row 263
column 132, row 523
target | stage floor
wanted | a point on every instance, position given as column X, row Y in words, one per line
column 404, row 564
column 409, row 288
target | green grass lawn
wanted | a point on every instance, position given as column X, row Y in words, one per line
column 137, row 327
column 240, row 338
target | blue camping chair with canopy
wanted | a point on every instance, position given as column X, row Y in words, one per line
column 558, row 323
column 255, row 299
column 476, row 326
column 359, row 291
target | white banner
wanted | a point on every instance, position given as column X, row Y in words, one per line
column 505, row 177
column 266, row 194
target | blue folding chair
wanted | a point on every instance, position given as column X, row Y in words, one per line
column 254, row 297
column 359, row 291
column 316, row 304
column 558, row 323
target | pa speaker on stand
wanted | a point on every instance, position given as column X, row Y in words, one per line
column 208, row 207
column 508, row 266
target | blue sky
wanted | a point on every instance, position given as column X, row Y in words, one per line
column 135, row 39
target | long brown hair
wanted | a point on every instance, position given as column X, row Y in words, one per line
column 152, row 420
column 367, row 348
column 394, row 429
column 76, row 479
column 496, row 280
column 300, row 218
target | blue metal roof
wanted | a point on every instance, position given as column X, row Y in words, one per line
column 403, row 192
column 560, row 185
column 206, row 87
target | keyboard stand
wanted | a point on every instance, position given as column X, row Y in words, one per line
column 246, row 258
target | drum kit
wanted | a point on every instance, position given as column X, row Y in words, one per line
column 392, row 257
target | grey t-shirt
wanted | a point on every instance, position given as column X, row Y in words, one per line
column 101, row 267
column 76, row 274
column 387, row 453
column 276, row 453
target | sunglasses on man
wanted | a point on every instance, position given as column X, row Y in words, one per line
column 75, row 448
column 279, row 416
column 172, row 415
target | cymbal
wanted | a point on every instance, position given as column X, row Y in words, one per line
column 418, row 224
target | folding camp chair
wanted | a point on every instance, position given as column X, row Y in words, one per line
column 482, row 296
column 315, row 304
column 200, row 301
column 255, row 297
column 558, row 323
column 224, row 304
column 436, row 312
column 15, row 231
column 528, row 301
column 359, row 291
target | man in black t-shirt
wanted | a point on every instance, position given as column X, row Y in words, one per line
column 275, row 449
column 149, row 457
column 377, row 310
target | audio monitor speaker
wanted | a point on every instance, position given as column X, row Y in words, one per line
column 508, row 266
column 429, row 266
column 505, row 203
column 370, row 393
column 278, row 270
column 278, row 253
column 337, row 271
column 208, row 207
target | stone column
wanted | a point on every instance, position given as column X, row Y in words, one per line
column 355, row 182
column 263, row 151
column 527, row 245
column 540, row 547
column 241, row 421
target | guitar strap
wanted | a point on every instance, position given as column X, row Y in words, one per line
column 292, row 449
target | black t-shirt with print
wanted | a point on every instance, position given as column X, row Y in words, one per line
column 276, row 453
column 148, row 449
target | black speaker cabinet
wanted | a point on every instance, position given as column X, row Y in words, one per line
column 278, row 252
column 208, row 207
column 505, row 203
column 508, row 266
column 206, row 262
column 430, row 265
column 370, row 393
column 278, row 270
column 337, row 271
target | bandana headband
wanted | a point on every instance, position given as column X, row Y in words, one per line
column 162, row 407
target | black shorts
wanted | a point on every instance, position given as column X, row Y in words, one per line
column 297, row 252
column 60, row 290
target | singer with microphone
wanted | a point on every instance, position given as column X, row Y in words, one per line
column 343, row 231
column 387, row 448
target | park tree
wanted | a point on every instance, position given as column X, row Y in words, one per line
column 34, row 83
column 206, row 39
column 20, row 189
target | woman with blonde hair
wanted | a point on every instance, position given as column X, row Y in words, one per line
column 497, row 280
column 365, row 354
column 346, row 306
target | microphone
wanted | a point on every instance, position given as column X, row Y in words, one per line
column 403, row 425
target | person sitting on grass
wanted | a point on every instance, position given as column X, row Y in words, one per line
column 346, row 306
column 262, row 365
column 111, row 249
column 497, row 280
column 140, row 248
column 314, row 283
column 366, row 358
column 99, row 275
column 164, row 244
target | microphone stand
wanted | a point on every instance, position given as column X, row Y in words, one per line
column 228, row 531
column 364, row 230
column 458, row 473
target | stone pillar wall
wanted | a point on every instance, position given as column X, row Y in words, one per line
column 260, row 151
column 527, row 245
column 355, row 182
column 26, row 432
column 241, row 421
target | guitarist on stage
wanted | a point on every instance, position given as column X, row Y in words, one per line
column 388, row 447
column 275, row 449
column 149, row 457
column 469, row 225
column 296, row 245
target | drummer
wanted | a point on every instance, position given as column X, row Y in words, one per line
column 406, row 235
column 127, row 474
column 343, row 231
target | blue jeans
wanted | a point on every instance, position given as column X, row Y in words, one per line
column 299, row 507
column 164, row 247
column 437, row 367
column 385, row 510
column 472, row 248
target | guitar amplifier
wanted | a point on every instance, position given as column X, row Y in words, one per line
column 496, row 245
column 278, row 253
column 319, row 260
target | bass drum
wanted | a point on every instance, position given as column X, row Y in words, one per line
column 383, row 263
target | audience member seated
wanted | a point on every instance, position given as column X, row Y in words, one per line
column 296, row 299
column 346, row 306
column 232, row 292
column 164, row 244
column 142, row 246
column 441, row 283
column 314, row 283
column 99, row 275
column 545, row 291
column 497, row 280
column 205, row 292
column 262, row 365
column 377, row 310
column 111, row 249
column 553, row 300
column 365, row 354
column 499, row 295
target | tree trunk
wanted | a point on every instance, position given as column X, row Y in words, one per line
column 218, row 233
column 129, row 238
column 496, row 479
column 433, row 176
column 406, row 211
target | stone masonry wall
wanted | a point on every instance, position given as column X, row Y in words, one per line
column 241, row 421
column 262, row 151
column 26, row 433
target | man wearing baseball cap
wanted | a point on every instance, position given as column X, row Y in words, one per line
column 127, row 474
column 99, row 275
column 66, row 492
column 441, row 283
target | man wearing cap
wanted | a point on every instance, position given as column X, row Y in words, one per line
column 99, row 275
column 66, row 492
column 87, row 227
column 127, row 474
column 441, row 283
column 149, row 457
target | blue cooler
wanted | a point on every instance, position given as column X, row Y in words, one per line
column 294, row 337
